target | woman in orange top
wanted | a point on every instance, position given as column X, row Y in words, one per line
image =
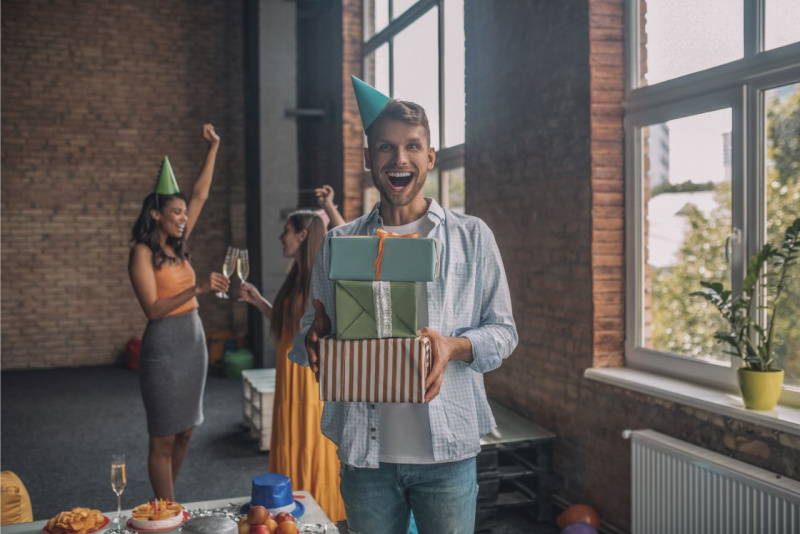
column 173, row 360
column 297, row 448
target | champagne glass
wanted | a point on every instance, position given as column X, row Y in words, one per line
column 243, row 266
column 228, row 266
column 118, row 480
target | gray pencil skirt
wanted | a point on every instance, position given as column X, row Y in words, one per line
column 172, row 373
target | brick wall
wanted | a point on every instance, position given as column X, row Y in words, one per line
column 94, row 94
column 607, row 87
column 353, row 132
column 544, row 169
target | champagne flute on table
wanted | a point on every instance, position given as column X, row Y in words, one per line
column 118, row 480
column 243, row 265
column 228, row 266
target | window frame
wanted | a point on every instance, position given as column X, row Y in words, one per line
column 740, row 86
column 450, row 157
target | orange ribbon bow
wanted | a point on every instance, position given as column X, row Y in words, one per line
column 382, row 235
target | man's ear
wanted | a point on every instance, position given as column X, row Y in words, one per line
column 367, row 160
column 431, row 158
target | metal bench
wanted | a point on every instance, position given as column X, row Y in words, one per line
column 514, row 469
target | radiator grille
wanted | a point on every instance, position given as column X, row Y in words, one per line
column 679, row 488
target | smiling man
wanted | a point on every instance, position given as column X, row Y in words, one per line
column 401, row 457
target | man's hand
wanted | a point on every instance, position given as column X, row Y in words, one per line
column 444, row 350
column 320, row 328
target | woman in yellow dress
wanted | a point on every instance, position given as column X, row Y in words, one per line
column 297, row 448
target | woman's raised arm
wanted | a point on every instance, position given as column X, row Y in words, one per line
column 203, row 183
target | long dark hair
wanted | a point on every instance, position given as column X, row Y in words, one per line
column 294, row 290
column 145, row 230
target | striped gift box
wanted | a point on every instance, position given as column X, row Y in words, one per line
column 374, row 370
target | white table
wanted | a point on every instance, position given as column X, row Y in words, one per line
column 313, row 514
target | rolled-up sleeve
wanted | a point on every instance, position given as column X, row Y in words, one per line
column 321, row 288
column 496, row 336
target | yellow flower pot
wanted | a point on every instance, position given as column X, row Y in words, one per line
column 760, row 389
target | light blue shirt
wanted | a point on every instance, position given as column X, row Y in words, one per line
column 470, row 298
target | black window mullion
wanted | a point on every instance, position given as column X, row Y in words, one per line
column 753, row 27
column 442, row 139
column 396, row 26
column 391, row 67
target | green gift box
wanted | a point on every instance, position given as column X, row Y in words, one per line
column 375, row 310
column 404, row 259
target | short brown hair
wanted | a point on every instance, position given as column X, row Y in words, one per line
column 400, row 110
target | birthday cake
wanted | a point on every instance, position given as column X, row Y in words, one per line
column 157, row 515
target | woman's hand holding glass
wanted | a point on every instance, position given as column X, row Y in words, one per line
column 215, row 282
column 249, row 294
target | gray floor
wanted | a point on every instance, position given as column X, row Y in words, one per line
column 60, row 427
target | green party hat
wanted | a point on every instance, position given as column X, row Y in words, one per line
column 166, row 184
column 370, row 101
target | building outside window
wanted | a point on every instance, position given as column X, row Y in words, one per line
column 414, row 50
column 712, row 133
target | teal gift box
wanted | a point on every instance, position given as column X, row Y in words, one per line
column 375, row 310
column 404, row 259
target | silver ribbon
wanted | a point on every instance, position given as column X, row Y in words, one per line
column 382, row 293
column 232, row 511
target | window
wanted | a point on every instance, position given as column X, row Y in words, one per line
column 781, row 176
column 712, row 141
column 414, row 50
column 782, row 18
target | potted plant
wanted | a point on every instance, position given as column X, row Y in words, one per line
column 760, row 381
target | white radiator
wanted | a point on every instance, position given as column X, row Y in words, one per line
column 678, row 488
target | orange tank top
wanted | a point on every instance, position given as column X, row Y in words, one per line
column 175, row 278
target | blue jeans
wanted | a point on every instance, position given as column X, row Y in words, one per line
column 379, row 501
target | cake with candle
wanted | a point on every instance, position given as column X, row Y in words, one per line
column 158, row 514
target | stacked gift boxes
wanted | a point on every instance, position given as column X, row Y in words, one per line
column 376, row 355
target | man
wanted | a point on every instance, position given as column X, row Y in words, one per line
column 397, row 457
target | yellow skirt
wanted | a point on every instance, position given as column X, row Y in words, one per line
column 297, row 448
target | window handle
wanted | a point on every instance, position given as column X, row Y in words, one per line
column 736, row 239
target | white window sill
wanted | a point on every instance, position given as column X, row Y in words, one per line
column 782, row 418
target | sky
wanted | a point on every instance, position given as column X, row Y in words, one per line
column 685, row 36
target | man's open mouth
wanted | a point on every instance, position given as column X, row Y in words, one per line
column 400, row 180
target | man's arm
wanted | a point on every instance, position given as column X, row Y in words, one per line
column 496, row 337
column 320, row 288
column 484, row 347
